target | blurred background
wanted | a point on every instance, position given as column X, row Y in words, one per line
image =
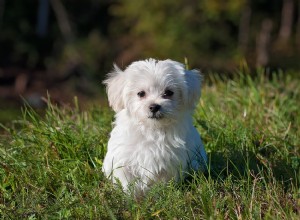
column 65, row 47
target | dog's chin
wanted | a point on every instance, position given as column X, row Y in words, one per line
column 160, row 120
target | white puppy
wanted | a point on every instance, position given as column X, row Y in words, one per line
column 153, row 138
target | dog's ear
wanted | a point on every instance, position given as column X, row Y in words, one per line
column 193, row 80
column 115, row 84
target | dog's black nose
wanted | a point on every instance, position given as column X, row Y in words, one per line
column 154, row 107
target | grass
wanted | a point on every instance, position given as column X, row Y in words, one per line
column 50, row 167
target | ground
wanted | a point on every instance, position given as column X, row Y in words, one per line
column 50, row 165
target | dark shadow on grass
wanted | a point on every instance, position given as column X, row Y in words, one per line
column 240, row 163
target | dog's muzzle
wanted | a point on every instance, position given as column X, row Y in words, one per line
column 155, row 113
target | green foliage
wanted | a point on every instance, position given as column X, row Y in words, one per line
column 187, row 28
column 213, row 34
column 50, row 167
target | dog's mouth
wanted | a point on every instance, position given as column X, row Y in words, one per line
column 156, row 116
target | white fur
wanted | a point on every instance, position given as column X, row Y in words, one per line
column 146, row 147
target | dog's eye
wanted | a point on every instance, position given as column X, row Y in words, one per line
column 168, row 93
column 141, row 94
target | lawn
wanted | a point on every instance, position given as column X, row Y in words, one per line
column 50, row 166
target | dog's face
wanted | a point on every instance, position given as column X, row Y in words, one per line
column 154, row 91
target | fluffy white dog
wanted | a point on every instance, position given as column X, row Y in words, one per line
column 153, row 138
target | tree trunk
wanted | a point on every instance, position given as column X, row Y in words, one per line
column 75, row 59
column 263, row 43
column 298, row 27
column 244, row 28
column 62, row 19
column 286, row 21
column 2, row 7
column 42, row 18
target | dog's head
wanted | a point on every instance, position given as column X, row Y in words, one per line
column 154, row 90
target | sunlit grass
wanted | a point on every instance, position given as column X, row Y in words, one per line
column 50, row 167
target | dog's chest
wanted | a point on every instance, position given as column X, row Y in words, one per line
column 160, row 156
column 149, row 153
